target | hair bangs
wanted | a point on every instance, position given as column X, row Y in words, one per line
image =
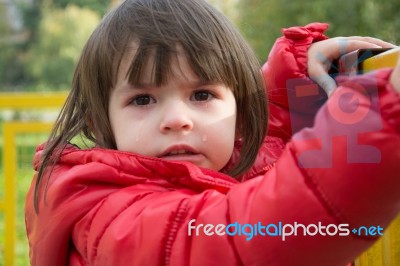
column 154, row 57
column 157, row 58
column 160, row 27
column 209, row 66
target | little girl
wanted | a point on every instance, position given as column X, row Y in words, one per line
column 182, row 171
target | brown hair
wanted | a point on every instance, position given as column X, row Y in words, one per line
column 214, row 48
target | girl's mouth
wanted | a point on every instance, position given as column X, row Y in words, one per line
column 182, row 153
column 179, row 152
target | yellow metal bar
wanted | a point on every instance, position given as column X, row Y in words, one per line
column 395, row 242
column 385, row 59
column 9, row 168
column 385, row 251
column 10, row 130
column 32, row 100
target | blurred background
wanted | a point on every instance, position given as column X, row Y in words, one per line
column 41, row 40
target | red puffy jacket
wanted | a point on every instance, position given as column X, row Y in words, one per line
column 107, row 207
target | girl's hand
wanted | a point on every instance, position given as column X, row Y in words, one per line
column 395, row 77
column 321, row 54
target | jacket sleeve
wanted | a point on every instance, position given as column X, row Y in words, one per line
column 294, row 99
column 343, row 170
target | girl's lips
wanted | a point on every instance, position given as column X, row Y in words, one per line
column 179, row 149
column 194, row 158
column 182, row 152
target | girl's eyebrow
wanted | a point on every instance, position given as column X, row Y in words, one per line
column 188, row 84
column 127, row 88
column 136, row 86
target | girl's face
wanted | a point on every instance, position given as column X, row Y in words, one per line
column 183, row 120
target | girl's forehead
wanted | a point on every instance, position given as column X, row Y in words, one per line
column 177, row 64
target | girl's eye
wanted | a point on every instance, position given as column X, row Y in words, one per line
column 142, row 100
column 202, row 96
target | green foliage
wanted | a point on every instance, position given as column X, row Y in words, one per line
column 11, row 66
column 4, row 28
column 99, row 6
column 260, row 21
column 8, row 53
column 54, row 33
column 15, row 42
column 61, row 36
column 32, row 15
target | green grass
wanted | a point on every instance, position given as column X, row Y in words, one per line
column 26, row 145
column 21, row 250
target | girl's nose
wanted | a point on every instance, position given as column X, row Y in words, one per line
column 175, row 119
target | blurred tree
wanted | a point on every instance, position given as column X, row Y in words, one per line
column 11, row 66
column 99, row 6
column 4, row 26
column 227, row 7
column 261, row 21
column 32, row 14
column 61, row 36
column 16, row 45
column 12, row 37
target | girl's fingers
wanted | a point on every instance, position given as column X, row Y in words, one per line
column 321, row 55
column 325, row 81
column 378, row 42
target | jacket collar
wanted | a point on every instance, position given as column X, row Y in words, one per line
column 134, row 168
